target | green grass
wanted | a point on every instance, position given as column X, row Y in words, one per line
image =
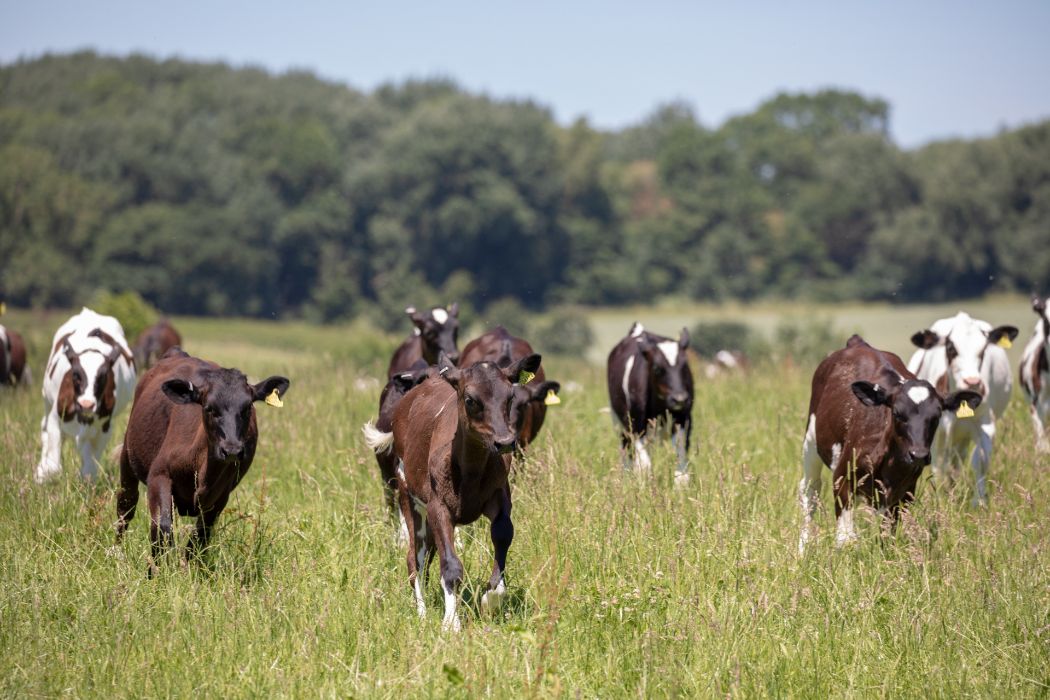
column 618, row 587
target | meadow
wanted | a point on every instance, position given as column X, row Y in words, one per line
column 619, row 586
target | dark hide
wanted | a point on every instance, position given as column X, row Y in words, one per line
column 430, row 338
column 153, row 342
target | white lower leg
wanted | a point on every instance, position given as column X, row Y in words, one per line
column 492, row 600
column 50, row 448
column 681, row 476
column 845, row 531
column 451, row 620
column 642, row 462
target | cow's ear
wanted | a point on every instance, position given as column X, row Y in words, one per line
column 870, row 394
column 408, row 380
column 181, row 391
column 417, row 318
column 955, row 399
column 683, row 339
column 1038, row 305
column 453, row 309
column 539, row 391
column 999, row 332
column 925, row 339
column 448, row 370
column 266, row 387
column 530, row 364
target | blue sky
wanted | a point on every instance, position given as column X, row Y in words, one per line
column 947, row 68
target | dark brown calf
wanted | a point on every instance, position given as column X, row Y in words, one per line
column 437, row 331
column 453, row 435
column 379, row 437
column 871, row 421
column 190, row 439
column 153, row 342
column 503, row 349
column 650, row 381
column 13, row 368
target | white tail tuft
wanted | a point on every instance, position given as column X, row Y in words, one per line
column 377, row 441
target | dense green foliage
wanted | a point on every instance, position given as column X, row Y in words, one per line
column 618, row 587
column 213, row 190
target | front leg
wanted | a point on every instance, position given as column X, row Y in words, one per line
column 681, row 429
column 92, row 445
column 158, row 498
column 451, row 567
column 202, row 533
column 50, row 446
column 979, row 460
column 844, row 482
column 502, row 532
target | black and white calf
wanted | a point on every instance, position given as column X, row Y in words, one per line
column 1035, row 374
column 650, row 381
column 436, row 331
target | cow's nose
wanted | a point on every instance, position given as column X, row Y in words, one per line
column 678, row 400
column 227, row 450
column 973, row 384
column 505, row 444
column 86, row 404
column 921, row 455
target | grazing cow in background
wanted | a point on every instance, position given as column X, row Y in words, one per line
column 454, row 435
column 190, row 439
column 871, row 421
column 726, row 362
column 13, row 368
column 502, row 348
column 89, row 378
column 1035, row 374
column 393, row 392
column 649, row 380
column 153, row 342
column 963, row 353
column 436, row 331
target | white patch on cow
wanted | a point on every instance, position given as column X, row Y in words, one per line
column 845, row 531
column 642, row 461
column 7, row 345
column 376, row 440
column 670, row 350
column 918, row 394
column 401, row 471
column 416, row 331
column 417, row 588
column 450, row 400
column 809, row 486
column 440, row 315
column 451, row 620
column 492, row 600
column 836, row 455
column 627, row 379
column 726, row 358
column 637, row 329
column 402, row 530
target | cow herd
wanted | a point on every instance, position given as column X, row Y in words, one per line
column 451, row 424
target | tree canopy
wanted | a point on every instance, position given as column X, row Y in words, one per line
column 214, row 190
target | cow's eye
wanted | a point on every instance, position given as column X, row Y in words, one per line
column 659, row 371
column 473, row 406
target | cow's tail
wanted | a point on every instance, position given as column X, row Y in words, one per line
column 377, row 441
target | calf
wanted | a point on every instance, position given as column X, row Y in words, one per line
column 89, row 378
column 1035, row 374
column 378, row 437
column 190, row 439
column 502, row 348
column 963, row 353
column 154, row 341
column 871, row 421
column 650, row 381
column 13, row 368
column 453, row 436
column 436, row 331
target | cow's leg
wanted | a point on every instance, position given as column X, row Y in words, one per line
column 1038, row 412
column 809, row 486
column 416, row 525
column 845, row 483
column 202, row 532
column 388, row 472
column 127, row 494
column 979, row 460
column 680, row 431
column 88, row 456
column 451, row 568
column 502, row 532
column 50, row 447
column 158, row 498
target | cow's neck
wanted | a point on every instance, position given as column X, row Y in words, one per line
column 470, row 453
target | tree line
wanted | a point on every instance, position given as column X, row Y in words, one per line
column 215, row 190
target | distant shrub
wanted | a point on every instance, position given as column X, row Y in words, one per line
column 805, row 342
column 134, row 313
column 509, row 313
column 562, row 332
column 708, row 337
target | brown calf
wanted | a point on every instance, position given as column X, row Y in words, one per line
column 13, row 368
column 871, row 421
column 190, row 439
column 453, row 435
column 153, row 342
column 502, row 348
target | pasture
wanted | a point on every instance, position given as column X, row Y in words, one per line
column 619, row 587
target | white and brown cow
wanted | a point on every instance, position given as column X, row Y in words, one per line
column 436, row 331
column 964, row 353
column 649, row 381
column 89, row 378
column 1035, row 374
column 872, row 422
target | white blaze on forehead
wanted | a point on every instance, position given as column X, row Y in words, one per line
column 440, row 315
column 637, row 329
column 670, row 350
column 918, row 394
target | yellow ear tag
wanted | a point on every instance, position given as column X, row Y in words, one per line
column 964, row 411
column 552, row 398
column 3, row 308
column 274, row 400
column 525, row 377
column 1004, row 342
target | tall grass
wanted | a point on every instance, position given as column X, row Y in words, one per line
column 618, row 586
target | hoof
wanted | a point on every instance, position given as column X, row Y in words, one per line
column 681, row 479
column 492, row 601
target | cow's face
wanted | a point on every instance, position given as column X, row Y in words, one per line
column 438, row 328
column 965, row 342
column 88, row 389
column 492, row 400
column 915, row 409
column 227, row 406
column 669, row 375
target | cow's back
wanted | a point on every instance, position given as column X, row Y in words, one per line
column 425, row 421
column 625, row 377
